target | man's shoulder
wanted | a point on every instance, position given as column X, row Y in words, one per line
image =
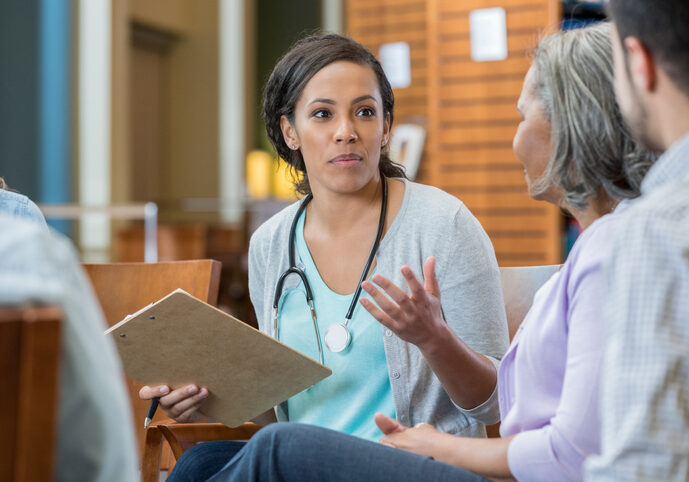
column 655, row 226
column 18, row 205
column 10, row 201
column 20, row 232
column 666, row 204
column 30, row 254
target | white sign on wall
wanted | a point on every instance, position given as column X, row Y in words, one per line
column 395, row 60
column 488, row 30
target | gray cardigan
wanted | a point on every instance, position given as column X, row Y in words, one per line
column 430, row 222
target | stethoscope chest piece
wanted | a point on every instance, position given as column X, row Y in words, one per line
column 337, row 337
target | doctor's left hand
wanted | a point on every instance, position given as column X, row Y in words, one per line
column 418, row 318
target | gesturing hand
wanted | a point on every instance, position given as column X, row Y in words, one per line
column 417, row 318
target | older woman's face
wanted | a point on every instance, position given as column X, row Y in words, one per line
column 340, row 127
column 531, row 143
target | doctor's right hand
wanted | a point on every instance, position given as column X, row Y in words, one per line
column 180, row 404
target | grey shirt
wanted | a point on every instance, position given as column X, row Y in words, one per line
column 430, row 222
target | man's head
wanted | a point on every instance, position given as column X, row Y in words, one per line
column 651, row 52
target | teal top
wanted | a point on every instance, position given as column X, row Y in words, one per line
column 429, row 222
column 359, row 386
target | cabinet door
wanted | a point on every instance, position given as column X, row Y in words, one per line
column 378, row 22
column 473, row 118
column 469, row 109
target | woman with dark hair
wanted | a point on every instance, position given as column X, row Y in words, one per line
column 577, row 154
column 328, row 111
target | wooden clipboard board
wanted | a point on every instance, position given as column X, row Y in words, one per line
column 180, row 340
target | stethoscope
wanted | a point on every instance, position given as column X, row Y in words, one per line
column 337, row 336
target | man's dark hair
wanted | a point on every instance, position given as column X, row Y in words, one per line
column 293, row 72
column 662, row 26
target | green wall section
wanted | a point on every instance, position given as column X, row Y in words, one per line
column 280, row 24
column 19, row 95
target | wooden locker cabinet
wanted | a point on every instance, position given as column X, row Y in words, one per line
column 471, row 113
column 377, row 22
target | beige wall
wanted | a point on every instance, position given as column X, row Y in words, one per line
column 191, row 147
column 120, row 165
column 194, row 145
column 173, row 16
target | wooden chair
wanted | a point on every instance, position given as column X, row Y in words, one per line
column 519, row 285
column 124, row 288
column 29, row 361
column 183, row 436
column 175, row 242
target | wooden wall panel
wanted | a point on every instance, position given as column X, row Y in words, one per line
column 470, row 109
column 473, row 119
column 376, row 22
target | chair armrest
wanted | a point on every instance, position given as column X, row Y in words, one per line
column 182, row 436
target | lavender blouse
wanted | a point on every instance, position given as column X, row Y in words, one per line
column 548, row 380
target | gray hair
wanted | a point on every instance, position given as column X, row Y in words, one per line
column 592, row 148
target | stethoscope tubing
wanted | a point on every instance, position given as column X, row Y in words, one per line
column 294, row 269
column 374, row 250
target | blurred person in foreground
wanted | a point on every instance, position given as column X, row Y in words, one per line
column 95, row 437
column 645, row 408
column 17, row 205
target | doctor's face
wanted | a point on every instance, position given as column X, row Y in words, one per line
column 340, row 127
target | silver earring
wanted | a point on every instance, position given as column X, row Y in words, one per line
column 294, row 148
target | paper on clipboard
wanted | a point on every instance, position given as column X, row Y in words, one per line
column 181, row 340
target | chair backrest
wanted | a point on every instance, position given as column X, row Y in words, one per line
column 125, row 288
column 29, row 361
column 175, row 242
column 519, row 285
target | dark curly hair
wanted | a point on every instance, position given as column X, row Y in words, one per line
column 286, row 84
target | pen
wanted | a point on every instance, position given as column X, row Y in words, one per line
column 151, row 411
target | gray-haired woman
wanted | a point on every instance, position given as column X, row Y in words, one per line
column 577, row 154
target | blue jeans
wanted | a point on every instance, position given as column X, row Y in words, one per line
column 301, row 453
column 204, row 460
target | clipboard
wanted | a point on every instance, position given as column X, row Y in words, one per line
column 180, row 340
